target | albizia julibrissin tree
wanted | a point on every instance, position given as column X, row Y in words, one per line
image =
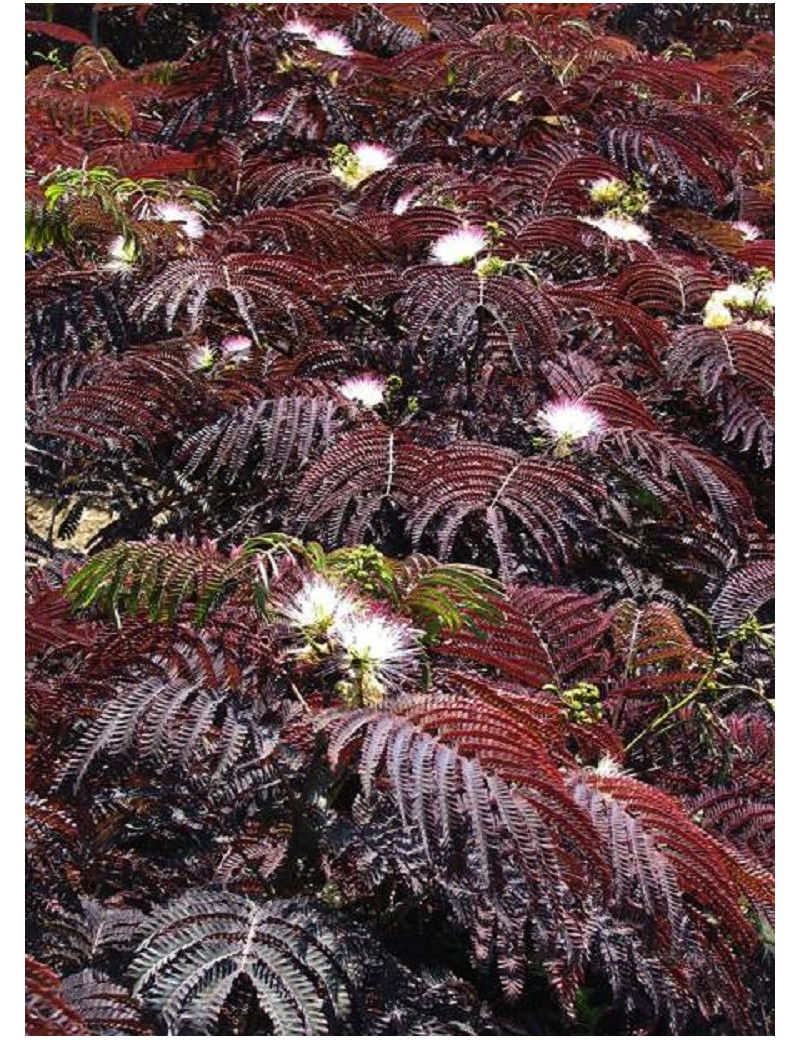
column 400, row 430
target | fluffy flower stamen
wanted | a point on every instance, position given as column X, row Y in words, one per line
column 236, row 349
column 620, row 228
column 607, row 191
column 201, row 359
column 331, row 42
column 749, row 232
column 379, row 650
column 354, row 166
column 459, row 247
column 121, row 255
column 300, row 27
column 757, row 298
column 403, row 203
column 570, row 420
column 367, row 390
column 373, row 157
column 318, row 607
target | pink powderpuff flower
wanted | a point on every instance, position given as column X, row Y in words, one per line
column 236, row 349
column 459, row 247
column 570, row 420
column 266, row 115
column 373, row 157
column 367, row 390
column 331, row 42
column 300, row 27
column 201, row 359
column 749, row 232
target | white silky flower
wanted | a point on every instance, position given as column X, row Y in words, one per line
column 300, row 27
column 331, row 42
column 767, row 295
column 175, row 213
column 352, row 166
column 570, row 420
column 621, row 228
column 717, row 312
column 318, row 606
column 381, row 647
column 762, row 327
column 735, row 296
column 716, row 315
column 367, row 390
column 459, row 247
column 373, row 157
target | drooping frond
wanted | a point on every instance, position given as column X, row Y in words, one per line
column 49, row 624
column 169, row 722
column 84, row 938
column 654, row 663
column 497, row 484
column 554, row 179
column 629, row 322
column 263, row 438
column 260, row 286
column 111, row 410
column 158, row 578
column 650, row 637
column 284, row 183
column 51, row 837
column 743, row 593
column 299, row 962
column 735, row 367
column 300, row 230
column 154, row 578
column 679, row 475
column 347, row 484
column 68, row 309
column 689, row 152
column 446, row 597
column 442, row 306
column 716, row 354
column 570, row 627
column 107, row 1008
column 741, row 812
column 668, row 870
column 660, row 288
column 712, row 875
column 545, row 636
column 481, row 834
column 747, row 415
